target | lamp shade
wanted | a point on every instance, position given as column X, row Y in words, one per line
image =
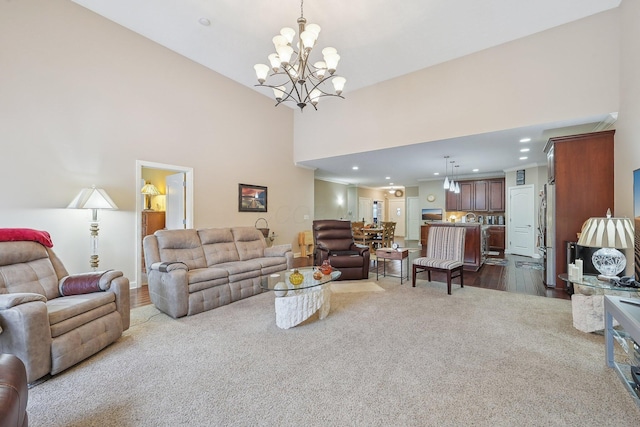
column 150, row 190
column 607, row 233
column 92, row 198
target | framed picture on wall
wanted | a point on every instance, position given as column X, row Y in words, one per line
column 252, row 198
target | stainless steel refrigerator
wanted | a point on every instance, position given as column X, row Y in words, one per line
column 547, row 231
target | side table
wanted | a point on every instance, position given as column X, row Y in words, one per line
column 587, row 301
column 392, row 254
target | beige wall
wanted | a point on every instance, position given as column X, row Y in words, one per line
column 83, row 99
column 627, row 138
column 331, row 200
column 564, row 73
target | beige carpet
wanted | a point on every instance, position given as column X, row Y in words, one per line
column 404, row 357
column 347, row 286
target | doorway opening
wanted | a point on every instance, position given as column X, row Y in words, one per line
column 172, row 208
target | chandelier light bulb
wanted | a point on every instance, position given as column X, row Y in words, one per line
column 457, row 190
column 261, row 72
column 279, row 92
column 321, row 69
column 274, row 60
column 314, row 28
column 452, row 186
column 338, row 84
column 308, row 40
column 314, row 96
column 284, row 53
column 446, row 183
column 279, row 40
column 288, row 33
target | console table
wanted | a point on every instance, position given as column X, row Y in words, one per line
column 627, row 336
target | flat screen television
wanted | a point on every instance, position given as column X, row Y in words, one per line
column 432, row 214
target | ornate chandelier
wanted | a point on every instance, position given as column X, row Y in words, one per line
column 302, row 82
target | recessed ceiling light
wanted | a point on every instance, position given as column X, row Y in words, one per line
column 355, row 168
column 436, row 173
column 204, row 21
column 391, row 183
column 525, row 140
column 524, row 150
column 387, row 177
column 524, row 158
column 476, row 170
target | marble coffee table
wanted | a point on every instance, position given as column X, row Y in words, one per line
column 295, row 304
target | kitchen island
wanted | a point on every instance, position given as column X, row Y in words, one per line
column 472, row 241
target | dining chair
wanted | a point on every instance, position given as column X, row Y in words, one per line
column 388, row 234
column 358, row 234
column 445, row 253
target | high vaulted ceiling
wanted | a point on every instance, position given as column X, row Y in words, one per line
column 376, row 39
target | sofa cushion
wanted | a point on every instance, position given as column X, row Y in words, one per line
column 206, row 274
column 241, row 270
column 218, row 245
column 181, row 245
column 63, row 308
column 79, row 284
column 249, row 242
column 26, row 267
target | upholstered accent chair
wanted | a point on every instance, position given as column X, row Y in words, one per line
column 333, row 241
column 445, row 253
column 13, row 392
column 50, row 319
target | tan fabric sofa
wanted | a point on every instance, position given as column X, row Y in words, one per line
column 47, row 331
column 191, row 271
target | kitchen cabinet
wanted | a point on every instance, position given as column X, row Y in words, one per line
column 480, row 196
column 462, row 201
column 496, row 240
column 496, row 195
column 582, row 173
column 472, row 242
column 477, row 196
column 152, row 221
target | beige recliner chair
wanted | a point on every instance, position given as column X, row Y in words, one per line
column 52, row 320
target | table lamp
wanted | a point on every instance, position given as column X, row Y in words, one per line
column 149, row 190
column 93, row 198
column 608, row 234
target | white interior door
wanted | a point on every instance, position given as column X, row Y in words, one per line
column 413, row 218
column 521, row 220
column 176, row 201
column 397, row 214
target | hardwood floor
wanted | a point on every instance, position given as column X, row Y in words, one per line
column 507, row 278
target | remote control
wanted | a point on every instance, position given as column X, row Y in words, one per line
column 631, row 301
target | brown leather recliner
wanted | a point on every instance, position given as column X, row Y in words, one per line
column 333, row 240
column 13, row 392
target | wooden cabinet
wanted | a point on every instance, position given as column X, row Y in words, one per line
column 472, row 242
column 496, row 238
column 478, row 196
column 152, row 221
column 583, row 170
column 495, row 196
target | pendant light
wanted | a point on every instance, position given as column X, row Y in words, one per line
column 457, row 189
column 446, row 178
column 452, row 183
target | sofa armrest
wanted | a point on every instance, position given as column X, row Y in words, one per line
column 120, row 287
column 169, row 288
column 26, row 332
column 165, row 267
column 11, row 300
column 277, row 250
column 360, row 248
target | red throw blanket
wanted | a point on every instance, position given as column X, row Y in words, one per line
column 22, row 234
